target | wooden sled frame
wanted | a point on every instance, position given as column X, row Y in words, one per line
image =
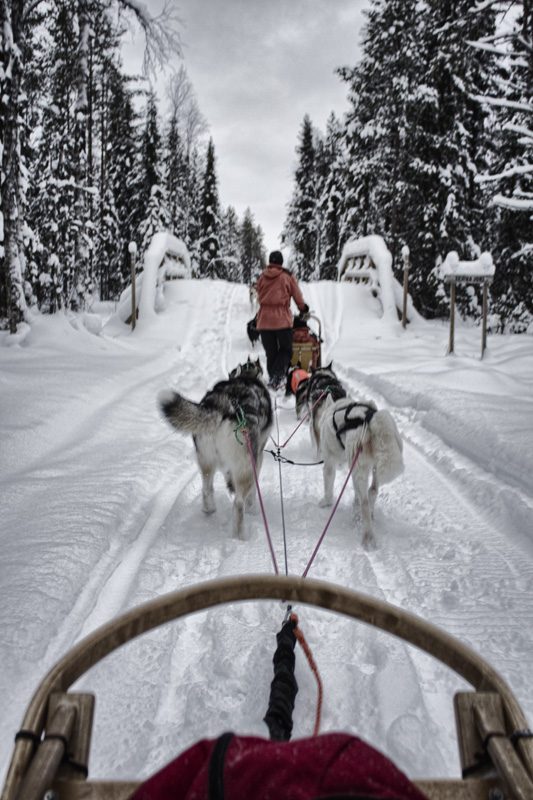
column 490, row 715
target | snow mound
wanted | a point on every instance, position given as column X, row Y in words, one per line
column 370, row 260
column 167, row 258
column 482, row 267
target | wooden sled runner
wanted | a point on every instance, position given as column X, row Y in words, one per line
column 488, row 719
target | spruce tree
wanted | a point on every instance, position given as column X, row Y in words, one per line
column 153, row 198
column 415, row 137
column 330, row 200
column 229, row 245
column 301, row 230
column 252, row 250
column 507, row 179
column 209, row 217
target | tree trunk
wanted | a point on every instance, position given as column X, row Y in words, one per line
column 12, row 265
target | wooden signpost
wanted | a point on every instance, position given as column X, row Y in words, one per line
column 480, row 271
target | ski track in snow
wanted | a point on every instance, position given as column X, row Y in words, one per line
column 439, row 544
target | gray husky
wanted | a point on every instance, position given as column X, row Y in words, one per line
column 214, row 424
column 322, row 383
column 347, row 425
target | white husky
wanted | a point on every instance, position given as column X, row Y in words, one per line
column 214, row 423
column 347, row 425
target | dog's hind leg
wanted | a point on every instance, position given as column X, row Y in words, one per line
column 207, row 468
column 329, row 481
column 373, row 491
column 360, row 484
column 244, row 484
column 229, row 482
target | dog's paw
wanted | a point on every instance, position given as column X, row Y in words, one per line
column 326, row 502
column 252, row 507
column 209, row 510
column 369, row 543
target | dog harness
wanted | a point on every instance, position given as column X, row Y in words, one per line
column 297, row 377
column 352, row 423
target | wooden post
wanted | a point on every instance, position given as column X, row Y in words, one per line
column 132, row 247
column 405, row 254
column 452, row 315
column 484, row 329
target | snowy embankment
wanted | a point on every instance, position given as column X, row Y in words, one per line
column 101, row 511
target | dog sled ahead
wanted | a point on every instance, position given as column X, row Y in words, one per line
column 306, row 342
column 51, row 751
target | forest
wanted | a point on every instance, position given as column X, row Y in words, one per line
column 434, row 152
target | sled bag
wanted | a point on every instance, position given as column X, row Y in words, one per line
column 248, row 768
column 306, row 348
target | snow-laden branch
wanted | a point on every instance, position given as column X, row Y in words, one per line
column 502, row 103
column 508, row 173
column 513, row 203
column 520, row 129
column 490, row 48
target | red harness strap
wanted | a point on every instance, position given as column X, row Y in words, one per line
column 297, row 377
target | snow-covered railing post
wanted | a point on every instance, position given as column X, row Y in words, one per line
column 479, row 271
column 405, row 256
column 132, row 247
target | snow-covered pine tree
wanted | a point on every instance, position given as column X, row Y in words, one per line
column 300, row 229
column 193, row 207
column 153, row 195
column 453, row 144
column 117, row 180
column 53, row 189
column 508, row 178
column 69, row 174
column 229, row 244
column 209, row 218
column 175, row 176
column 379, row 126
column 415, row 137
column 330, row 201
column 252, row 250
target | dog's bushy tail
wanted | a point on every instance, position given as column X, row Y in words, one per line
column 185, row 415
column 387, row 447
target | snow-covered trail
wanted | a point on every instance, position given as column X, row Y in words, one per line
column 106, row 499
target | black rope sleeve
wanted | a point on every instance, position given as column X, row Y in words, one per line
column 284, row 687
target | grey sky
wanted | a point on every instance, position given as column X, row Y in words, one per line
column 258, row 66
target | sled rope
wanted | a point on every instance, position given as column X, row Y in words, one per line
column 281, row 494
column 247, row 438
column 359, row 448
column 283, row 460
column 307, row 650
column 281, row 446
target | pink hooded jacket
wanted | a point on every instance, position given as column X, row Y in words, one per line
column 275, row 288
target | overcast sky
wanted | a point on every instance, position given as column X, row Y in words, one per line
column 258, row 66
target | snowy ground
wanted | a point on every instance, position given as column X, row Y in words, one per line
column 101, row 511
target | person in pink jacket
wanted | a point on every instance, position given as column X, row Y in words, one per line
column 275, row 288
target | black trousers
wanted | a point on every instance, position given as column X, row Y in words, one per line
column 278, row 349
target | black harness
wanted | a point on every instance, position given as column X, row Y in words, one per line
column 354, row 422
